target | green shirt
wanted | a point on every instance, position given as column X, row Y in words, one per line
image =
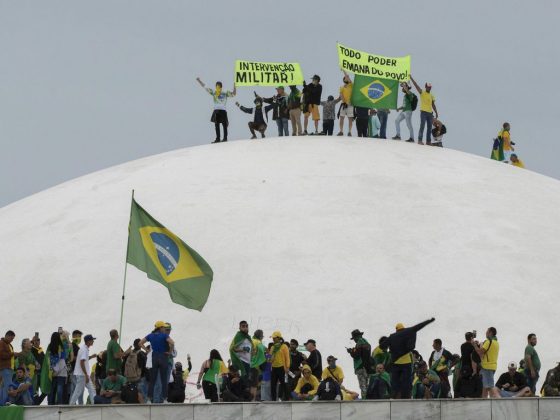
column 407, row 102
column 109, row 385
column 112, row 363
column 532, row 353
column 358, row 363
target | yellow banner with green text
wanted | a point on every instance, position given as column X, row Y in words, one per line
column 254, row 73
column 359, row 62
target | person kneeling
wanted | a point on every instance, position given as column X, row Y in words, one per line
column 511, row 384
column 307, row 386
column 111, row 389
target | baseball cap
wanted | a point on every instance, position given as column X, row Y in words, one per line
column 167, row 326
column 276, row 334
column 512, row 365
column 309, row 341
column 159, row 324
column 316, row 77
column 89, row 337
column 280, row 87
column 306, row 368
column 331, row 357
column 399, row 326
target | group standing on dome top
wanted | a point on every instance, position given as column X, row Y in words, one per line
column 289, row 104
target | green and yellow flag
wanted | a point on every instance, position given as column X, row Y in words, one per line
column 374, row 92
column 168, row 260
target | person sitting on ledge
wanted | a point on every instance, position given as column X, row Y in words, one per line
column 111, row 389
column 307, row 385
column 511, row 384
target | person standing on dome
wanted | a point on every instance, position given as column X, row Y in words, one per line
column 162, row 346
column 346, row 109
column 362, row 359
column 241, row 349
column 427, row 109
column 312, row 100
column 406, row 114
column 219, row 116
column 401, row 343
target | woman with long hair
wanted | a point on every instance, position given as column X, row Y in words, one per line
column 210, row 371
column 57, row 372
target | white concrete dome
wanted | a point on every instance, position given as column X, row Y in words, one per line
column 311, row 236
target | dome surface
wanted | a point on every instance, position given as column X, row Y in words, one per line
column 310, row 236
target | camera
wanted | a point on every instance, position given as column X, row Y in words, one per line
column 474, row 333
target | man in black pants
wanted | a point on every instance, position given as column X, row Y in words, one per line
column 401, row 343
column 219, row 116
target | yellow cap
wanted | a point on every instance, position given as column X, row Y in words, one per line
column 305, row 367
column 159, row 324
column 399, row 326
column 276, row 334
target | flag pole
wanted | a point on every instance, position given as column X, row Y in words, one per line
column 125, row 267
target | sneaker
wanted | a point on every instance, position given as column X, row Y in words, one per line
column 216, row 141
column 262, row 135
column 397, row 138
column 420, row 142
column 349, row 134
column 305, row 133
column 224, row 140
column 317, row 133
column 311, row 134
column 410, row 140
column 253, row 137
column 340, row 133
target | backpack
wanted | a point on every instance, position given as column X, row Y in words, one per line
column 129, row 393
column 414, row 102
column 132, row 370
column 328, row 390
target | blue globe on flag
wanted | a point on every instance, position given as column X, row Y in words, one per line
column 167, row 251
column 376, row 90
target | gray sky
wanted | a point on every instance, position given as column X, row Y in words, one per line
column 87, row 85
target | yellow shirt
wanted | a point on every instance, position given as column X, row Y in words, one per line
column 281, row 358
column 507, row 139
column 313, row 381
column 403, row 360
column 346, row 93
column 519, row 164
column 426, row 101
column 335, row 373
column 490, row 359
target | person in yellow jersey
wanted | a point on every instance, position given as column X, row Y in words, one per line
column 401, row 343
column 335, row 372
column 427, row 109
column 346, row 109
column 280, row 367
column 505, row 136
column 488, row 352
column 307, row 385
column 515, row 161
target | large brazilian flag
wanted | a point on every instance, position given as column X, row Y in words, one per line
column 373, row 92
column 168, row 260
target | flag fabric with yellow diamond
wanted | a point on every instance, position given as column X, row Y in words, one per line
column 373, row 92
column 166, row 259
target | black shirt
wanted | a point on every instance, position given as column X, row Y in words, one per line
column 315, row 362
column 517, row 380
column 468, row 354
column 296, row 359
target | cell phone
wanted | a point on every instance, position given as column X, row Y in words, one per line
column 36, row 334
column 60, row 330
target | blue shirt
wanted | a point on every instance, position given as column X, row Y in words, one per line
column 158, row 342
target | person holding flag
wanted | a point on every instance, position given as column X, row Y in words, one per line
column 241, row 349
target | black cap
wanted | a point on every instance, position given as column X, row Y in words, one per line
column 89, row 337
column 309, row 341
column 356, row 333
column 316, row 77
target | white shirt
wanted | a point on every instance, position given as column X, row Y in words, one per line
column 83, row 354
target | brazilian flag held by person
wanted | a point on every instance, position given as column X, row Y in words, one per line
column 374, row 92
column 166, row 259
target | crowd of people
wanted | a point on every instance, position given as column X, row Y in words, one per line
column 282, row 370
column 288, row 107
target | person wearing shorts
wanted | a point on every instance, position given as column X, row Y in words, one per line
column 312, row 100
column 346, row 109
column 488, row 352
